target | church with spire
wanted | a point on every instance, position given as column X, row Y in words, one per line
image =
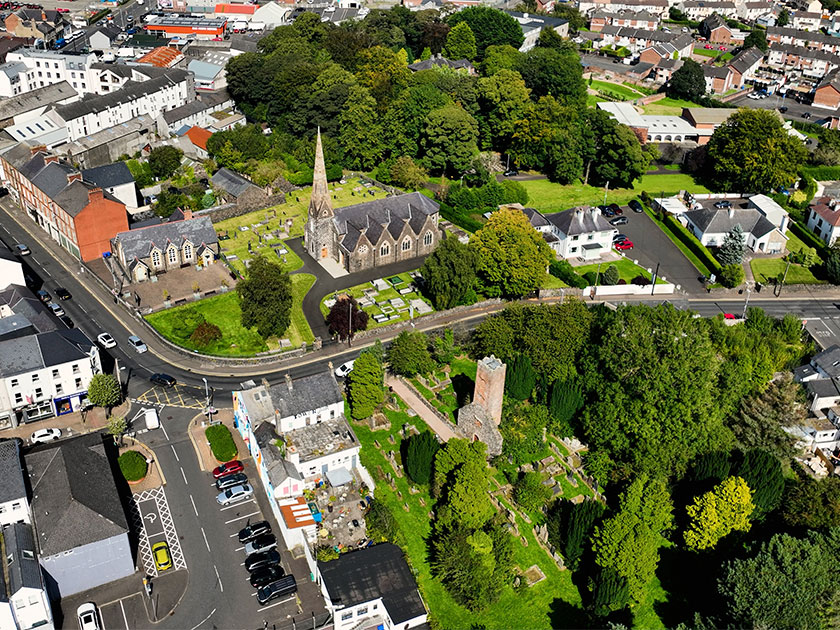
column 370, row 234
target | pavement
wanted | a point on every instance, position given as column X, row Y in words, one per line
column 444, row 430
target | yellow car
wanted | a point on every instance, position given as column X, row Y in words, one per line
column 160, row 552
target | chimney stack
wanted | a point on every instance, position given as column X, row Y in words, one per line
column 49, row 159
column 187, row 214
column 95, row 194
column 74, row 177
column 289, row 382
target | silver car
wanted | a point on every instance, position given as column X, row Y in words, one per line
column 235, row 494
column 137, row 343
column 261, row 543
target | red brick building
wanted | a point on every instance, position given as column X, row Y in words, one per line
column 827, row 93
column 76, row 214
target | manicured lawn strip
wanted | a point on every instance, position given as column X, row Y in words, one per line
column 794, row 243
column 550, row 282
column 616, row 90
column 669, row 183
column 699, row 50
column 672, row 167
column 627, row 270
column 591, row 100
column 765, row 269
column 533, row 608
column 667, row 107
column 676, row 240
column 221, row 442
column 299, row 330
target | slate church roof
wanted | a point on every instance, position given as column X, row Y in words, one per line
column 374, row 217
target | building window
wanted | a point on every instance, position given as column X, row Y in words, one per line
column 573, row 250
column 35, row 378
column 406, row 244
column 188, row 254
column 427, row 239
column 173, row 256
column 75, row 368
column 575, row 237
column 347, row 616
column 590, row 237
column 39, row 392
column 16, row 506
column 78, row 383
column 362, row 611
column 27, row 553
column 385, row 249
column 156, row 258
column 55, row 373
column 59, row 388
column 14, row 382
column 18, row 398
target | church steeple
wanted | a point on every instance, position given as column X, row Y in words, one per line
column 320, row 204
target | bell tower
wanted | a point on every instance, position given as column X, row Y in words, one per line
column 319, row 233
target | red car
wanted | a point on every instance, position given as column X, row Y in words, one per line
column 228, row 469
column 63, row 10
column 625, row 244
column 708, row 47
column 721, row 47
column 729, row 316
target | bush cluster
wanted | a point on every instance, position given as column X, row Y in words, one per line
column 133, row 465
column 221, row 442
column 205, row 334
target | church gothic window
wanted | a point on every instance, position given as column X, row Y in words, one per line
column 156, row 258
column 188, row 251
column 406, row 244
column 173, row 255
column 385, row 249
column 427, row 239
column 363, row 249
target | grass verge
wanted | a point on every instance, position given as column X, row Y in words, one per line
column 767, row 269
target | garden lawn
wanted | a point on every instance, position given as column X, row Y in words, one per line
column 616, row 90
column 295, row 208
column 592, row 100
column 627, row 270
column 766, row 269
column 388, row 294
column 547, row 196
column 552, row 603
column 551, row 282
column 667, row 107
column 224, row 311
column 706, row 52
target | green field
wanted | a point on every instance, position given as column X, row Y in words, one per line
column 547, row 196
column 551, row 603
column 616, row 90
column 270, row 219
column 383, row 296
column 224, row 312
column 705, row 52
column 667, row 107
column 591, row 100
column 766, row 269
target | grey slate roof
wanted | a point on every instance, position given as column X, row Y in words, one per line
column 109, row 175
column 278, row 468
column 305, row 394
column 231, row 182
column 19, row 356
column 368, row 574
column 717, row 220
column 75, row 500
column 823, row 388
column 15, row 326
column 371, row 218
column 24, row 570
column 580, row 220
column 207, row 101
column 131, row 91
column 21, row 301
column 138, row 243
column 828, row 361
column 11, row 472
column 34, row 352
column 746, row 59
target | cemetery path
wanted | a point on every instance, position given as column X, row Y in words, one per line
column 444, row 430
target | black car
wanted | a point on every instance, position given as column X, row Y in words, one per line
column 806, row 115
column 164, row 380
column 260, row 560
column 635, row 206
column 617, row 238
column 723, row 204
column 282, row 587
column 619, row 221
column 607, row 211
column 67, row 321
column 266, row 575
column 782, row 109
column 616, row 208
column 62, row 293
column 228, row 481
column 253, row 530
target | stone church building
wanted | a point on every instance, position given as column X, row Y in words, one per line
column 370, row 234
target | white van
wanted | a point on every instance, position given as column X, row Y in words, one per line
column 152, row 419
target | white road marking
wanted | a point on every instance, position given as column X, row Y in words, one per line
column 282, row 601
column 193, row 504
column 221, row 586
column 203, row 620
column 183, row 474
column 239, row 518
column 240, row 548
column 36, row 260
column 150, row 536
column 125, row 619
column 206, row 544
column 163, row 428
column 175, row 453
column 237, row 504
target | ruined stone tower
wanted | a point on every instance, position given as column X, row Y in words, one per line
column 480, row 419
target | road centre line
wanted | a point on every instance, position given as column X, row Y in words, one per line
column 195, row 509
column 206, row 544
column 221, row 586
column 183, row 474
column 175, row 453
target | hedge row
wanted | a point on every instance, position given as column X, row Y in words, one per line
column 690, row 241
column 460, row 217
column 221, row 442
column 806, row 236
column 822, row 173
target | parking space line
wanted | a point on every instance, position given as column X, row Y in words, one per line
column 150, row 536
column 237, row 504
column 282, row 601
column 239, row 518
column 240, row 548
column 175, row 453
column 125, row 619
column 221, row 586
column 206, row 544
column 195, row 509
column 183, row 474
column 203, row 620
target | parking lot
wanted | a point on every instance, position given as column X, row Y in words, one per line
column 652, row 246
column 152, row 520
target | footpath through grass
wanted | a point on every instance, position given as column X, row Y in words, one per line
column 551, row 603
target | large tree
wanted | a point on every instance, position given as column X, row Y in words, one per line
column 449, row 139
column 104, row 390
column 164, row 160
column 346, row 318
column 612, row 153
column 758, row 39
column 365, row 391
column 688, row 82
column 503, row 98
column 812, row 503
column 360, row 135
column 265, row 297
column 762, row 472
column 420, row 456
column 512, row 255
column 570, row 526
column 726, row 508
column 409, row 354
column 460, row 43
column 448, row 273
column 752, row 151
column 731, row 251
column 547, row 71
column 492, row 27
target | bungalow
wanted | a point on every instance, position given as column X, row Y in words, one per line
column 764, row 232
column 439, row 61
column 156, row 249
column 576, row 233
column 823, row 219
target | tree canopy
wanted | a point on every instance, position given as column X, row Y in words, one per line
column 688, row 82
column 265, row 297
column 449, row 273
column 490, row 26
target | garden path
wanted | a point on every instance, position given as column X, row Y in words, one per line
column 443, row 430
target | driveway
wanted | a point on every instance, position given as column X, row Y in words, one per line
column 652, row 246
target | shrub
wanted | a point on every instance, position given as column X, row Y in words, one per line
column 325, row 554
column 133, row 465
column 205, row 334
column 731, row 276
column 188, row 322
column 611, row 276
column 564, row 271
column 690, row 241
column 221, row 442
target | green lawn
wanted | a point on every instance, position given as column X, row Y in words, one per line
column 552, row 603
column 667, row 107
column 765, row 269
column 705, row 52
column 616, row 90
column 270, row 219
column 224, row 312
column 591, row 100
column 384, row 296
column 627, row 270
column 550, row 197
column 453, row 396
column 551, row 282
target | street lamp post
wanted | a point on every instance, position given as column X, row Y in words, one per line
column 746, row 302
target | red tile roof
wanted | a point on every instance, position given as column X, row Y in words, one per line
column 827, row 212
column 198, row 136
column 162, row 57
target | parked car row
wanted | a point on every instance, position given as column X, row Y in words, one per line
column 263, row 563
